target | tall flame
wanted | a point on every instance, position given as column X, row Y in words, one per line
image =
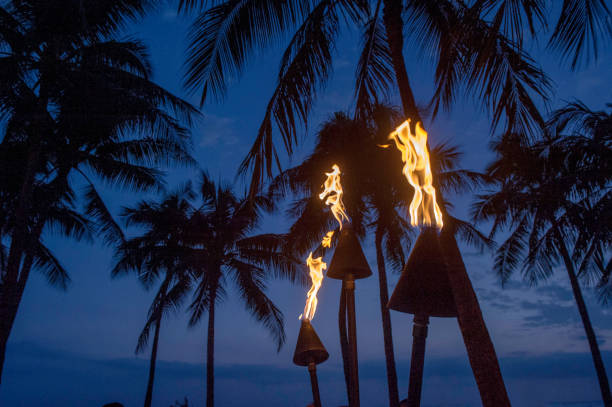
column 316, row 267
column 424, row 209
column 332, row 189
column 332, row 193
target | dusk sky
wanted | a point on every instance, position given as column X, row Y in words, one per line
column 76, row 348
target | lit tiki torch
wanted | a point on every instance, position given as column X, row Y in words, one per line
column 423, row 289
column 434, row 281
column 348, row 264
column 309, row 350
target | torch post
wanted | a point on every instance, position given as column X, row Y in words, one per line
column 314, row 383
column 349, row 286
column 309, row 351
column 417, row 361
column 349, row 264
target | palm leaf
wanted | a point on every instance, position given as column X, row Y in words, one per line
column 581, row 24
column 374, row 74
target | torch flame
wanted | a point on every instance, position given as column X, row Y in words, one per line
column 316, row 267
column 332, row 193
column 332, row 189
column 424, row 209
column 326, row 242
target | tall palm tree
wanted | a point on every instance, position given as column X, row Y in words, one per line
column 376, row 196
column 75, row 103
column 158, row 253
column 554, row 198
column 475, row 46
column 224, row 250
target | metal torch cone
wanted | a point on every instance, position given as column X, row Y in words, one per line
column 349, row 264
column 309, row 351
column 423, row 290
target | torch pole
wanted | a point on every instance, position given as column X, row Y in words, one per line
column 352, row 334
column 314, row 383
column 419, row 338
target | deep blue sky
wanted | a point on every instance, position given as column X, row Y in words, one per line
column 75, row 348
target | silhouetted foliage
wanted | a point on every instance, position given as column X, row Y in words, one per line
column 553, row 197
column 76, row 104
column 475, row 47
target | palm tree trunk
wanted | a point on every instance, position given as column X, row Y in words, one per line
column 344, row 350
column 604, row 385
column 480, row 349
column 210, row 353
column 12, row 293
column 386, row 324
column 149, row 396
column 392, row 18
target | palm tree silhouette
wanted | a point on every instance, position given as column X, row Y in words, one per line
column 376, row 196
column 474, row 46
column 158, row 253
column 223, row 250
column 554, row 198
column 76, row 103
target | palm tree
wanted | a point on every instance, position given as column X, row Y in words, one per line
column 158, row 253
column 75, row 103
column 475, row 45
column 223, row 250
column 554, row 198
column 375, row 196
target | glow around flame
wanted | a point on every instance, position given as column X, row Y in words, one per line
column 332, row 193
column 424, row 209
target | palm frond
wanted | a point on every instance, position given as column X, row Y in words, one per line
column 45, row 262
column 223, row 37
column 581, row 25
column 269, row 251
column 305, row 66
column 251, row 287
column 509, row 254
column 374, row 74
column 97, row 209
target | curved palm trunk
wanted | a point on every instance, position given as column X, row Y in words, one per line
column 392, row 18
column 480, row 349
column 149, row 396
column 604, row 385
column 210, row 353
column 386, row 324
column 10, row 298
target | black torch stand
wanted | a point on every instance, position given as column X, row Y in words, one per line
column 349, row 264
column 309, row 351
column 349, row 287
column 417, row 361
column 314, row 383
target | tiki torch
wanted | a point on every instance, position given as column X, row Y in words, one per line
column 434, row 281
column 309, row 351
column 424, row 291
column 349, row 264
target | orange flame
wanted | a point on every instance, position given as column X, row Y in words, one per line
column 332, row 193
column 316, row 267
column 326, row 242
column 424, row 209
